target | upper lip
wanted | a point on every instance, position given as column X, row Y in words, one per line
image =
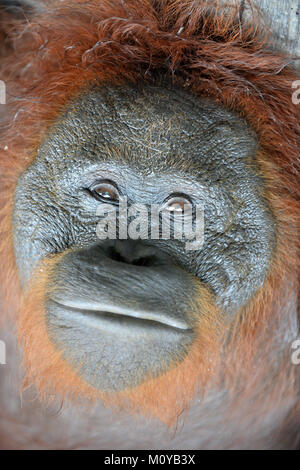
column 94, row 308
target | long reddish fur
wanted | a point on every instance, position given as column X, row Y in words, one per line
column 205, row 48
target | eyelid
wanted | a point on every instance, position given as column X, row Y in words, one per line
column 174, row 197
column 103, row 181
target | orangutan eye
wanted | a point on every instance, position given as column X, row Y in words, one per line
column 105, row 191
column 177, row 204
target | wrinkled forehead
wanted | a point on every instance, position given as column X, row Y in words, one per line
column 144, row 123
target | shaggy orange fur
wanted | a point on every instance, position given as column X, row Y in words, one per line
column 206, row 49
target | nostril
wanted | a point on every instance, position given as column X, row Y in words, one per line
column 143, row 261
column 135, row 253
column 114, row 254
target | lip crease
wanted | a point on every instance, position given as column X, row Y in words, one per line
column 122, row 313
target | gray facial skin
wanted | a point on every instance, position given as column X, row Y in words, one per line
column 118, row 318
